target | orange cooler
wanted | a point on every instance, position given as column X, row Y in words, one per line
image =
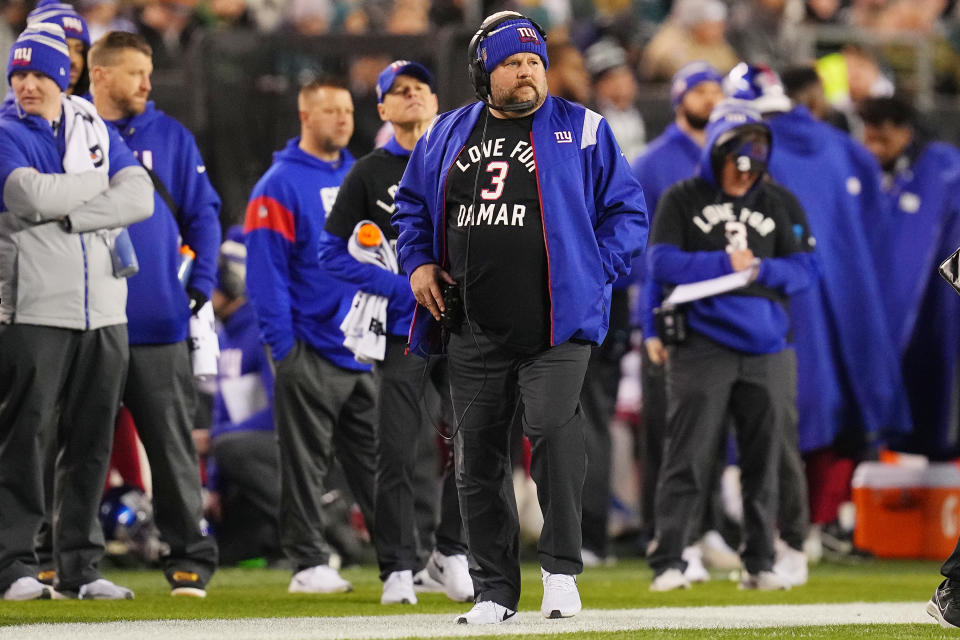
column 907, row 511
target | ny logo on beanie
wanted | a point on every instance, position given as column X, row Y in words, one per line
column 528, row 34
column 21, row 56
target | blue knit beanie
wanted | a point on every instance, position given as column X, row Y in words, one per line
column 508, row 38
column 41, row 47
column 689, row 76
column 64, row 15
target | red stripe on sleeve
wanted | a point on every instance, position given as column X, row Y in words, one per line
column 264, row 212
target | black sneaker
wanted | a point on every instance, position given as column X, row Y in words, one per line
column 944, row 605
column 187, row 584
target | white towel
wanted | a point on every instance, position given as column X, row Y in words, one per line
column 87, row 143
column 204, row 346
column 365, row 326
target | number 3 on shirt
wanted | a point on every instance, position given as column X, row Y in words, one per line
column 499, row 168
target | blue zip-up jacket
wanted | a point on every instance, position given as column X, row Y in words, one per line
column 848, row 374
column 293, row 297
column 755, row 319
column 917, row 231
column 594, row 215
column 158, row 309
column 671, row 157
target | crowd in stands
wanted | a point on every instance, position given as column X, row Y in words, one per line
column 874, row 344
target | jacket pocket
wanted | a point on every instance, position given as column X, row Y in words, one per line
column 50, row 276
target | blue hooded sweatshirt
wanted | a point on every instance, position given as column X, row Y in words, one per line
column 294, row 298
column 919, row 228
column 847, row 366
column 158, row 309
column 689, row 243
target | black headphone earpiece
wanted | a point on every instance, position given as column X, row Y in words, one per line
column 479, row 75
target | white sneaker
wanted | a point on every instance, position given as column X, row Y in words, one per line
column 423, row 583
column 398, row 588
column 453, row 572
column 561, row 599
column 695, row 571
column 763, row 581
column 319, row 579
column 27, row 588
column 791, row 565
column 590, row 558
column 669, row 580
column 487, row 612
column 717, row 554
column 103, row 589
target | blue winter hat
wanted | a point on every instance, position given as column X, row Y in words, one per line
column 508, row 38
column 64, row 15
column 689, row 76
column 760, row 85
column 401, row 68
column 41, row 47
column 737, row 129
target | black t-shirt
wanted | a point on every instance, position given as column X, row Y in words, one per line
column 367, row 194
column 493, row 206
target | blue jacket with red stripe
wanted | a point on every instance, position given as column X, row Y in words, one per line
column 594, row 215
column 294, row 298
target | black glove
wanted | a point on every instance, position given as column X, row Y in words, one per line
column 197, row 300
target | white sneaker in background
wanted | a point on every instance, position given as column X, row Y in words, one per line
column 103, row 589
column 717, row 554
column 319, row 579
column 813, row 545
column 398, row 588
column 589, row 558
column 27, row 588
column 669, row 580
column 487, row 612
column 695, row 571
column 561, row 598
column 453, row 572
column 423, row 583
column 763, row 581
column 790, row 564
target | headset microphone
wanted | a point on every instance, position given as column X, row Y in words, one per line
column 526, row 105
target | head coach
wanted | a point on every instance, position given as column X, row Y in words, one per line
column 515, row 216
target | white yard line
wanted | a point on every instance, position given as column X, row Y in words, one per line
column 431, row 626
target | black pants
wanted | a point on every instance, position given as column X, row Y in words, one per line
column 83, row 372
column 485, row 382
column 401, row 421
column 653, row 383
column 706, row 382
column 162, row 399
column 248, row 463
column 319, row 407
column 598, row 399
column 794, row 504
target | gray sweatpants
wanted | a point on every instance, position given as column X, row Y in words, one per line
column 318, row 407
column 706, row 382
column 162, row 399
column 83, row 372
column 485, row 381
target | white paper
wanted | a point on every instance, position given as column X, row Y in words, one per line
column 243, row 396
column 712, row 287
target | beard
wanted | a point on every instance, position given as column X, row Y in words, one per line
column 696, row 122
column 512, row 96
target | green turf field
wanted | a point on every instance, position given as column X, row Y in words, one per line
column 262, row 593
